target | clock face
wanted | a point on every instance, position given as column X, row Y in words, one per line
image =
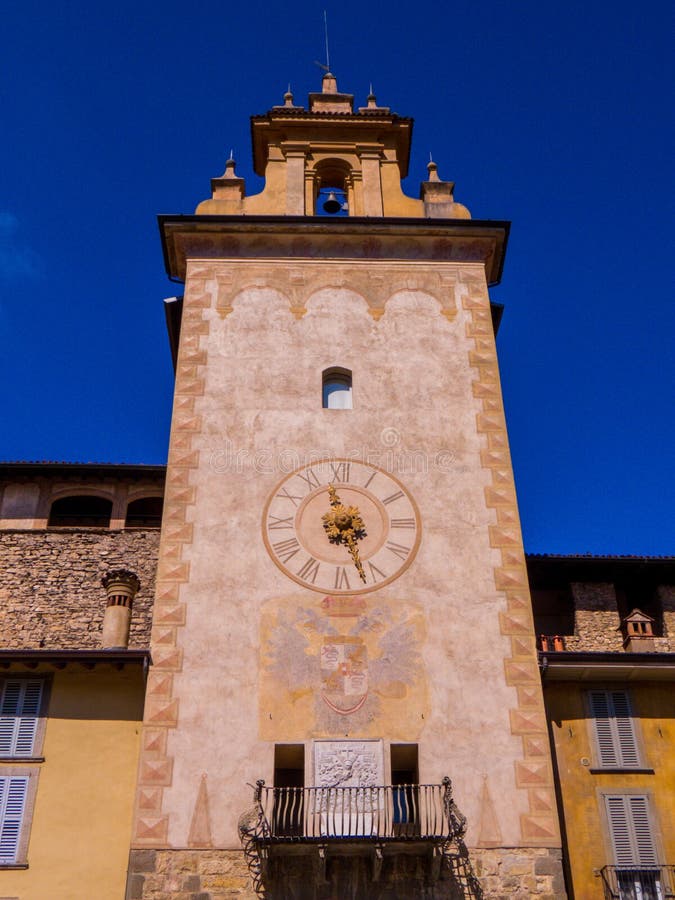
column 298, row 542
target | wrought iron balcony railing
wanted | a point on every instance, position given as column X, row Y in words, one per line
column 406, row 812
column 638, row 882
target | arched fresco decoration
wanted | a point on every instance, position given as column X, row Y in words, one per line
column 421, row 302
column 235, row 286
column 297, row 284
column 323, row 298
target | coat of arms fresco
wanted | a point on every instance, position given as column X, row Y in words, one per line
column 338, row 664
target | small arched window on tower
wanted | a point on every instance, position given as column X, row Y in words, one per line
column 337, row 388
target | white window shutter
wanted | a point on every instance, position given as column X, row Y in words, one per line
column 12, row 801
column 19, row 714
column 603, row 728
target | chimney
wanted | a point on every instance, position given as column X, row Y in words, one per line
column 121, row 586
column 638, row 632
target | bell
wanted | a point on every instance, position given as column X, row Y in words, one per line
column 332, row 204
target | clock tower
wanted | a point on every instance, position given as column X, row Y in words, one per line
column 344, row 698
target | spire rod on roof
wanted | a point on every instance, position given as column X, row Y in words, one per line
column 325, row 28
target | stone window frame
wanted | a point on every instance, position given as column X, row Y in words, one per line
column 597, row 767
column 42, row 716
column 32, row 772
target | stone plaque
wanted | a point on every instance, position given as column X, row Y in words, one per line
column 348, row 778
column 348, row 763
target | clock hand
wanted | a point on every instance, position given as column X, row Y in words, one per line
column 344, row 525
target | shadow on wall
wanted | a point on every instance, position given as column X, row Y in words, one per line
column 401, row 876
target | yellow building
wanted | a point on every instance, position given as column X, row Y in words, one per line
column 73, row 665
column 607, row 633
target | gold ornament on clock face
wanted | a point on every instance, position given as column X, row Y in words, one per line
column 341, row 527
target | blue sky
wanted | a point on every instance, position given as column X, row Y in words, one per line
column 556, row 117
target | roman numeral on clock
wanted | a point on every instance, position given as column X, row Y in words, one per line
column 340, row 471
column 310, row 479
column 402, row 523
column 275, row 522
column 310, row 570
column 376, row 574
column 341, row 579
column 283, row 493
column 398, row 549
column 285, row 550
column 393, row 497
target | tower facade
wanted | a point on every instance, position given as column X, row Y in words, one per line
column 344, row 697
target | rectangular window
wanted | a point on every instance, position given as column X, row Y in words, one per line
column 614, row 729
column 13, row 792
column 636, row 874
column 289, row 780
column 630, row 827
column 20, row 703
column 405, row 790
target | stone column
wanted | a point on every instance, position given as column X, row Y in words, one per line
column 295, row 180
column 121, row 586
column 372, row 185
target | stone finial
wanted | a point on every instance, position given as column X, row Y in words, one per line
column 121, row 586
column 372, row 106
column 438, row 197
column 229, row 187
column 330, row 100
column 432, row 169
column 288, row 97
column 230, row 166
column 638, row 630
column 329, row 84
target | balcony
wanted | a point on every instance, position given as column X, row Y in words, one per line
column 638, row 882
column 350, row 821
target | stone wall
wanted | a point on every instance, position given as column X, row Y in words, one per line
column 596, row 618
column 50, row 585
column 518, row 873
column 597, row 622
column 666, row 595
